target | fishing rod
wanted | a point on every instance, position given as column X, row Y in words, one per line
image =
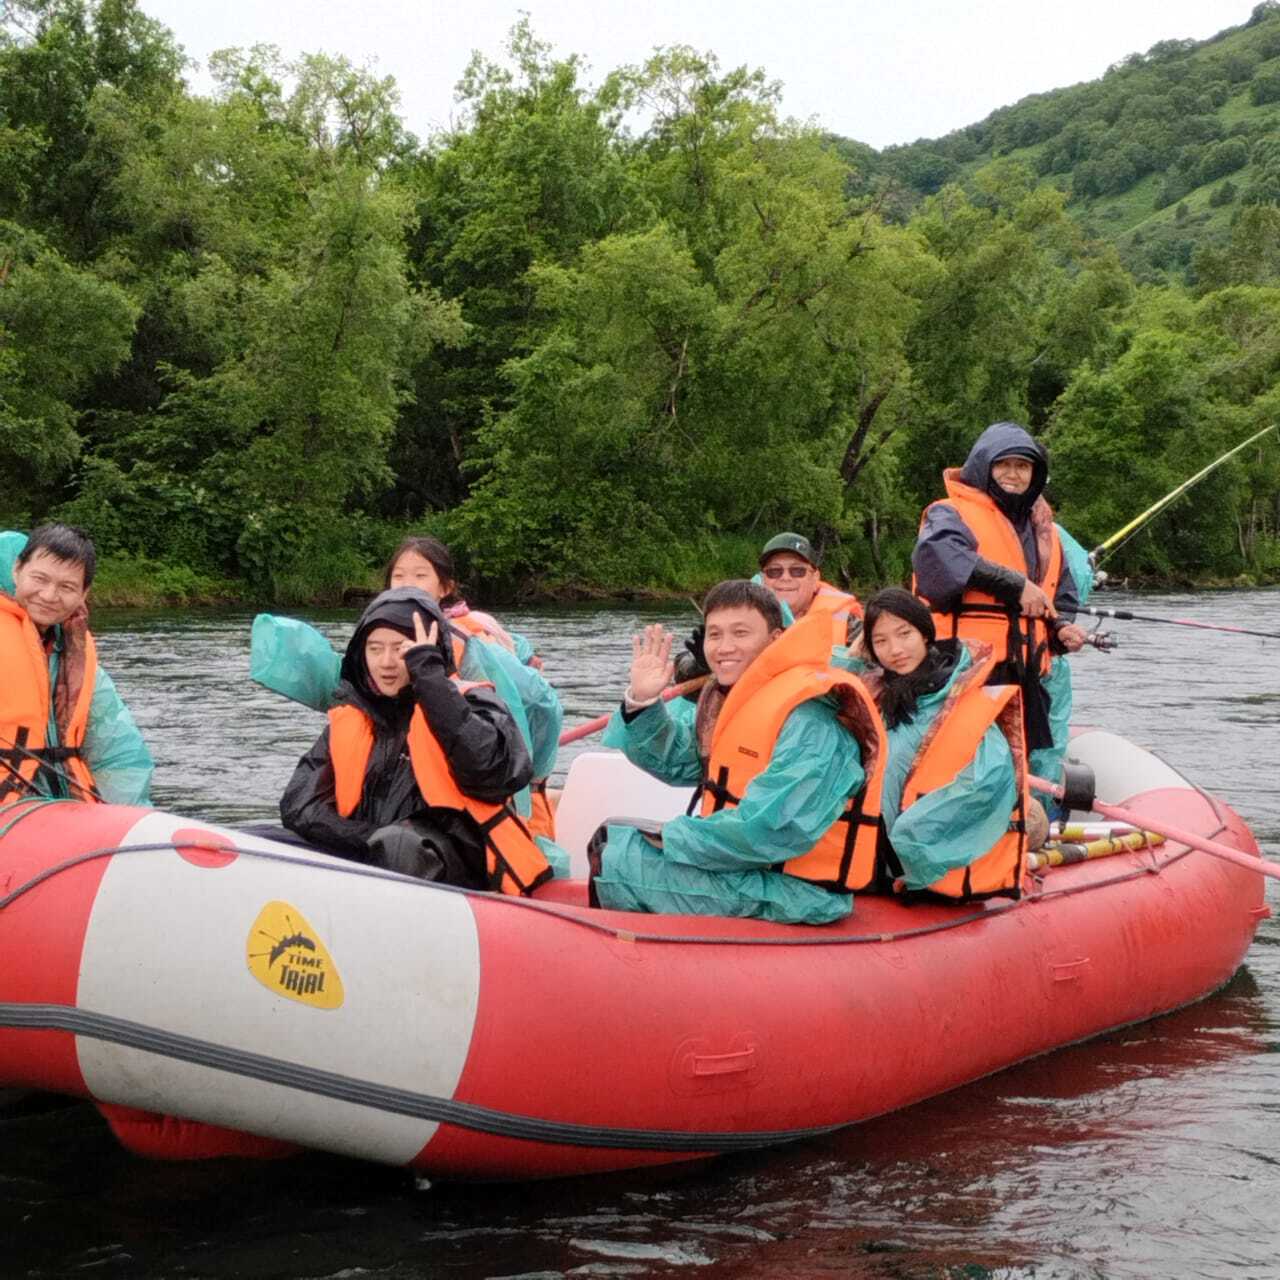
column 1189, row 838
column 1118, row 539
column 1125, row 616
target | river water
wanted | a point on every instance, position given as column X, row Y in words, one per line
column 1152, row 1152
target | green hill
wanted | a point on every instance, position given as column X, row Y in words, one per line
column 1157, row 155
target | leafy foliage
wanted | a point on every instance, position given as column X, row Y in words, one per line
column 610, row 337
column 1158, row 129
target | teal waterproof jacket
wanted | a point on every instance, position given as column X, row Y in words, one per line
column 955, row 824
column 727, row 863
column 1046, row 762
column 114, row 748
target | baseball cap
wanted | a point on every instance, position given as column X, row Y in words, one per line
column 792, row 542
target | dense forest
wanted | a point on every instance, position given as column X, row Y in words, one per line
column 608, row 337
column 1158, row 156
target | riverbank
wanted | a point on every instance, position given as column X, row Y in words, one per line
column 126, row 583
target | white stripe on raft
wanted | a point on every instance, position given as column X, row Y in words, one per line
column 396, row 949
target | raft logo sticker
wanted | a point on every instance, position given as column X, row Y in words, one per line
column 286, row 955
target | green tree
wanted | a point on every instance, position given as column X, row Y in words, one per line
column 59, row 328
column 723, row 367
column 55, row 55
column 1265, row 86
column 531, row 174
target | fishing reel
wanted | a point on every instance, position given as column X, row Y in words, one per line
column 1103, row 641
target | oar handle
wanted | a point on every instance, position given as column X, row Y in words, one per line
column 594, row 726
column 1170, row 832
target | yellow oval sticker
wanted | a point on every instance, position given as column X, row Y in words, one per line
column 286, row 955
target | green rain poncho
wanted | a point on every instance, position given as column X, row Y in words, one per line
column 726, row 863
column 292, row 658
column 1046, row 762
column 114, row 748
column 955, row 824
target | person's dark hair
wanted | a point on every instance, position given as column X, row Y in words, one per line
column 737, row 593
column 901, row 604
column 898, row 695
column 436, row 554
column 63, row 542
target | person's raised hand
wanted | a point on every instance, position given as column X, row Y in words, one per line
column 1034, row 602
column 651, row 666
column 421, row 634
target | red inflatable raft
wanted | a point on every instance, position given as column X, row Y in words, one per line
column 218, row 994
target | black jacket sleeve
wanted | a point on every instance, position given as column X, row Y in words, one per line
column 481, row 740
column 998, row 580
column 309, row 806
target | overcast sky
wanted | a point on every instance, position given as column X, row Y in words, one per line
column 882, row 71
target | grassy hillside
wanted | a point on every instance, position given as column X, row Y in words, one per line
column 1158, row 155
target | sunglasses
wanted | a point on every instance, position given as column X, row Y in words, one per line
column 776, row 571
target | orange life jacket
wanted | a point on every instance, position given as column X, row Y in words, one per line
column 978, row 616
column 793, row 669
column 971, row 708
column 466, row 622
column 514, row 863
column 542, row 818
column 25, row 698
column 840, row 605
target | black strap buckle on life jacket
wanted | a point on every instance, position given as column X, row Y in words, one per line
column 506, row 813
column 889, row 868
column 1014, row 641
column 10, row 758
column 719, row 790
column 50, row 760
column 855, row 819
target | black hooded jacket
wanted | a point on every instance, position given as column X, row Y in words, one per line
column 946, row 559
column 486, row 752
column 947, row 552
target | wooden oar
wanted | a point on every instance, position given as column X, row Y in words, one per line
column 594, row 726
column 1068, row 852
column 1170, row 832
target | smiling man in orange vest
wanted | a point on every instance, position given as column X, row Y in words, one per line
column 64, row 731
column 790, row 568
column 787, row 753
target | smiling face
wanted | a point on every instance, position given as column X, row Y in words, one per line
column 898, row 646
column 413, row 569
column 1012, row 474
column 49, row 589
column 734, row 638
column 384, row 659
column 792, row 579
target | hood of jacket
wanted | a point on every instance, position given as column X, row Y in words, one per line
column 1000, row 440
column 394, row 609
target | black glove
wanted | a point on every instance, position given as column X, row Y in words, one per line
column 692, row 661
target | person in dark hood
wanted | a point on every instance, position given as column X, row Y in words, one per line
column 989, row 561
column 415, row 771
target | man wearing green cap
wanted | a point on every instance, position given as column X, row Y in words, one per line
column 789, row 568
